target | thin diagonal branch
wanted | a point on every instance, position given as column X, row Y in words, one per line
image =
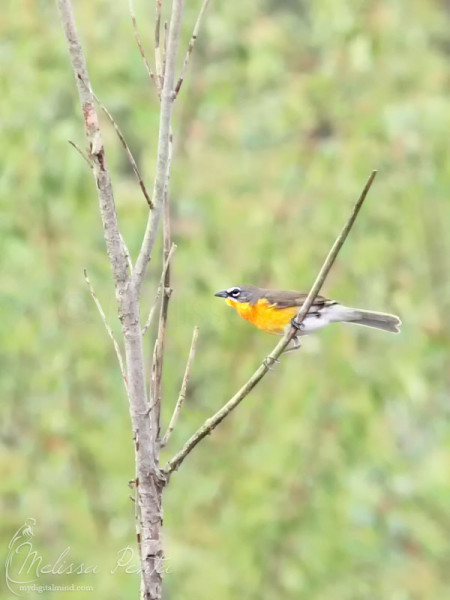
column 141, row 48
column 107, row 327
column 82, row 154
column 162, row 163
column 191, row 46
column 184, row 384
column 332, row 255
column 210, row 424
column 159, row 290
column 127, row 150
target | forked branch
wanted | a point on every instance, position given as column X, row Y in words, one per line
column 210, row 424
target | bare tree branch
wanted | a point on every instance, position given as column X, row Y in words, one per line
column 107, row 327
column 82, row 154
column 184, row 384
column 210, row 424
column 141, row 48
column 191, row 46
column 162, row 163
column 159, row 290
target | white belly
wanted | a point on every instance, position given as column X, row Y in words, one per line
column 313, row 323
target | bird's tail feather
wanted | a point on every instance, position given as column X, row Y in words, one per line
column 367, row 318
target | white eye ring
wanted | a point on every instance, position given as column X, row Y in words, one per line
column 234, row 292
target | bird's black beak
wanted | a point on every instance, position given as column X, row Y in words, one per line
column 222, row 294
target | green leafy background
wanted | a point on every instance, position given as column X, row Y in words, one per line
column 331, row 482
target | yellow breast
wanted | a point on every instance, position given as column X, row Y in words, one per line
column 265, row 316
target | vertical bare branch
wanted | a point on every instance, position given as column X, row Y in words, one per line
column 158, row 61
column 210, row 424
column 162, row 164
column 182, row 394
column 191, row 46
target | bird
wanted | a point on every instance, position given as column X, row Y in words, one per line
column 274, row 310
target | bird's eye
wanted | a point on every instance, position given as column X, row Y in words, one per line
column 235, row 292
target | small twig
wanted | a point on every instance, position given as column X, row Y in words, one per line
column 128, row 152
column 159, row 290
column 155, row 389
column 80, row 151
column 127, row 254
column 139, row 43
column 108, row 328
column 184, row 384
column 210, row 424
column 124, row 144
column 191, row 46
column 158, row 62
column 166, row 28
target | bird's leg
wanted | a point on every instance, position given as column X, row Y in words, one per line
column 296, row 345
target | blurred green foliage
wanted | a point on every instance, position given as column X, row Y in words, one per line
column 331, row 482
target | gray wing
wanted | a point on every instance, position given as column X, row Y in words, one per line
column 286, row 299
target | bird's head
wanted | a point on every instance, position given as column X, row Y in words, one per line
column 240, row 293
